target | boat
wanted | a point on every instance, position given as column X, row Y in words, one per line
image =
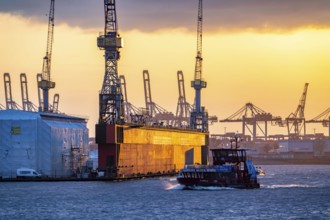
column 230, row 168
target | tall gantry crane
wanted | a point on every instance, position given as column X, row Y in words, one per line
column 54, row 107
column 157, row 113
column 45, row 83
column 252, row 119
column 183, row 109
column 26, row 103
column 2, row 107
column 199, row 116
column 131, row 113
column 110, row 98
column 10, row 103
column 323, row 118
column 296, row 121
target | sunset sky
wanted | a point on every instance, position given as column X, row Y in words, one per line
column 258, row 51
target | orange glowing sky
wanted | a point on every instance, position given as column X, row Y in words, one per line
column 265, row 61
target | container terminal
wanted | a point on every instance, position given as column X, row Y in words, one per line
column 134, row 142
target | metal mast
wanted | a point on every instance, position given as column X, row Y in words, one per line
column 45, row 84
column 198, row 117
column 110, row 98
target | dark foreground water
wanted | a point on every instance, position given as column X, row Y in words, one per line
column 287, row 192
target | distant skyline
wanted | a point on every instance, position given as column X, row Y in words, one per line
column 255, row 51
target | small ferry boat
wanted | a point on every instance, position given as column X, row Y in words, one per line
column 230, row 168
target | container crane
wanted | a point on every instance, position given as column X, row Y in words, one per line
column 296, row 121
column 26, row 103
column 252, row 117
column 110, row 98
column 183, row 109
column 130, row 111
column 157, row 113
column 54, row 107
column 199, row 116
column 45, row 83
column 10, row 103
column 40, row 99
column 323, row 118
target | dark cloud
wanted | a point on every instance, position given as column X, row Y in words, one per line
column 152, row 15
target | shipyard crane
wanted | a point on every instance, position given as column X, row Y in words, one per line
column 10, row 103
column 323, row 118
column 2, row 107
column 26, row 103
column 199, row 116
column 183, row 109
column 110, row 97
column 296, row 121
column 252, row 116
column 157, row 113
column 40, row 99
column 52, row 108
column 131, row 112
column 45, row 83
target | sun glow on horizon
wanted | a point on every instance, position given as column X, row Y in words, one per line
column 267, row 69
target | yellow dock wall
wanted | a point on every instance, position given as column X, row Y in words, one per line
column 155, row 150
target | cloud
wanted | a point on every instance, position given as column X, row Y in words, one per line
column 151, row 15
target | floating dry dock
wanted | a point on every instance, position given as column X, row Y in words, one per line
column 134, row 150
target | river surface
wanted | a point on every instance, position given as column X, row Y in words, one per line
column 287, row 192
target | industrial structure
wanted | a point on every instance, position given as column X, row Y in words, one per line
column 141, row 147
column 199, row 115
column 53, row 144
column 323, row 118
column 45, row 83
column 132, row 114
column 26, row 103
column 183, row 108
column 253, row 119
column 296, row 121
column 155, row 112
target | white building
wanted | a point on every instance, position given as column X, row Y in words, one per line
column 54, row 144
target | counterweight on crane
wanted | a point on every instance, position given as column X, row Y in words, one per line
column 45, row 83
column 198, row 117
column 110, row 98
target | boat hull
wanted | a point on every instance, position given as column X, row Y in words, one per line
column 193, row 182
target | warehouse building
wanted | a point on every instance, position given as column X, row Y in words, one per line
column 55, row 145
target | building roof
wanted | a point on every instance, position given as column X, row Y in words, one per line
column 29, row 115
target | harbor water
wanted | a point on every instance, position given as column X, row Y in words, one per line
column 287, row 192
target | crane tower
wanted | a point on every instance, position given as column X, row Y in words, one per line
column 45, row 84
column 198, row 117
column 110, row 98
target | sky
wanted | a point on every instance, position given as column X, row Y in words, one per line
column 257, row 51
